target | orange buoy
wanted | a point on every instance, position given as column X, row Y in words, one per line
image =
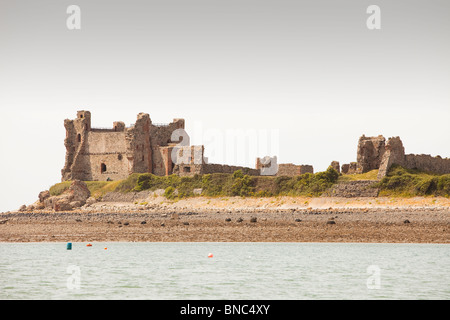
column 106, row 248
column 210, row 255
column 89, row 245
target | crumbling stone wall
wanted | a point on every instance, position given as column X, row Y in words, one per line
column 335, row 165
column 161, row 134
column 376, row 153
column 190, row 160
column 370, row 152
column 395, row 154
column 428, row 163
column 223, row 168
column 106, row 152
column 368, row 157
column 282, row 169
column 161, row 145
column 290, row 169
column 350, row 168
column 345, row 168
column 206, row 168
column 115, row 153
column 102, row 154
column 139, row 151
column 77, row 164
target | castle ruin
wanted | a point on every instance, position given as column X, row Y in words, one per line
column 99, row 154
column 377, row 153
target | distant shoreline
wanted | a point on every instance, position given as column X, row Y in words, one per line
column 236, row 219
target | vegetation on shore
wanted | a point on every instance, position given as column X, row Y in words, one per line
column 216, row 184
column 236, row 184
column 399, row 182
column 409, row 183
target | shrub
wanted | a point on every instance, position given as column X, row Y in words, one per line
column 128, row 184
column 173, row 180
column 169, row 193
column 216, row 184
column 332, row 175
column 242, row 185
column 144, row 182
column 443, row 185
column 426, row 186
column 238, row 174
column 316, row 184
column 220, row 184
column 412, row 182
column 283, row 184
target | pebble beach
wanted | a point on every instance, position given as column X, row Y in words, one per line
column 236, row 219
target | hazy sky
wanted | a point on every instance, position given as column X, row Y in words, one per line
column 309, row 74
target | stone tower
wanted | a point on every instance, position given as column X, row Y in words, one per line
column 370, row 152
column 112, row 154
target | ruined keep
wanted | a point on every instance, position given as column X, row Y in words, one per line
column 375, row 153
column 370, row 152
column 395, row 154
column 99, row 154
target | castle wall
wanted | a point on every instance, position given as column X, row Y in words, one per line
column 428, row 163
column 395, row 154
column 282, row 169
column 76, row 164
column 187, row 170
column 158, row 162
column 161, row 135
column 106, row 142
column 223, row 168
column 102, row 156
column 289, row 169
column 106, row 151
column 188, row 160
column 112, row 166
column 139, row 151
column 370, row 152
column 81, row 169
column 335, row 165
column 208, row 168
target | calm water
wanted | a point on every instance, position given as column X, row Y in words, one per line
column 287, row 271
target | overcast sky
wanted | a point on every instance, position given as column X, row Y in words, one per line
column 309, row 75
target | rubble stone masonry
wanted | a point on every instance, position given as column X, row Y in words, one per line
column 101, row 154
column 115, row 153
column 395, row 154
column 163, row 149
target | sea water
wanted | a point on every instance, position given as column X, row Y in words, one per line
column 288, row 271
